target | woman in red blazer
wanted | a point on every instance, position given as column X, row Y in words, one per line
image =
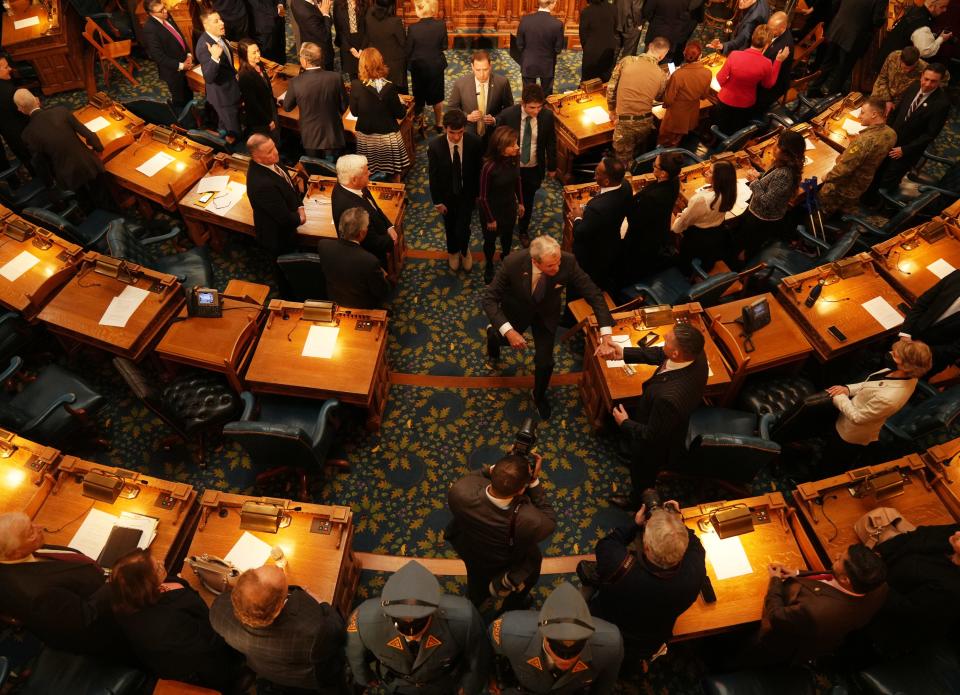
column 739, row 78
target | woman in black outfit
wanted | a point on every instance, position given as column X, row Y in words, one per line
column 385, row 33
column 500, row 194
column 259, row 105
column 349, row 20
column 167, row 625
column 426, row 43
column 376, row 104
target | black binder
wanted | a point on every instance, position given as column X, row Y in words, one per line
column 120, row 542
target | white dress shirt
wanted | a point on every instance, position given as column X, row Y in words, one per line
column 698, row 212
column 223, row 45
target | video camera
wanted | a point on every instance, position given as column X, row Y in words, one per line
column 651, row 499
column 526, row 438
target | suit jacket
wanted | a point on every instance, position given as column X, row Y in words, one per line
column 441, row 169
column 868, row 406
column 464, row 95
column 274, row 202
column 302, row 648
column 223, row 91
column 539, row 40
column 596, row 237
column 598, row 38
column 263, row 15
column 756, row 15
column 920, row 322
column 509, row 298
column 51, row 136
column 854, row 23
column 259, row 104
column 426, row 43
column 378, row 241
column 164, row 49
column 376, row 112
column 314, row 25
column 385, row 33
column 546, row 134
column 924, row 124
column 354, row 276
column 685, row 88
column 765, row 97
column 322, row 99
column 670, row 19
column 805, row 618
column 648, row 238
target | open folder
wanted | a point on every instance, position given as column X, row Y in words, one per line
column 106, row 537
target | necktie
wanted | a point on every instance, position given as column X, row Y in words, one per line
column 527, row 137
column 282, row 174
column 226, row 50
column 457, row 170
column 914, row 104
column 176, row 35
column 482, row 106
column 540, row 289
column 63, row 555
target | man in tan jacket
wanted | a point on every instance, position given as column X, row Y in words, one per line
column 636, row 83
column 686, row 87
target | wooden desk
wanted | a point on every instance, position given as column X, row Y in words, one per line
column 279, row 367
column 952, row 211
column 122, row 126
column 53, row 45
column 76, row 311
column 777, row 537
column 602, row 387
column 220, row 345
column 943, row 462
column 840, row 305
column 819, row 160
column 58, row 261
column 581, row 193
column 905, row 260
column 829, row 123
column 169, row 184
column 694, row 177
column 26, row 474
column 577, row 130
column 832, row 522
column 321, row 561
column 173, row 504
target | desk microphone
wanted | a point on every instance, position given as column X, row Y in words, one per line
column 814, row 294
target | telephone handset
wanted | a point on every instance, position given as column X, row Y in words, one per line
column 204, row 302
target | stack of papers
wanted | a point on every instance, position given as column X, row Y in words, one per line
column 318, row 210
column 212, row 184
column 852, row 127
column 97, row 124
column 727, row 556
column 350, row 116
column 597, row 115
column 939, row 267
column 93, row 533
column 123, row 306
column 17, row 266
column 155, row 163
column 855, row 112
column 224, row 201
column 24, row 23
column 808, row 145
column 880, row 309
column 248, row 552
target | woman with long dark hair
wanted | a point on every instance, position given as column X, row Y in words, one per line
column 385, row 33
column 376, row 104
column 259, row 104
column 701, row 222
column 426, row 43
column 501, row 196
column 349, row 20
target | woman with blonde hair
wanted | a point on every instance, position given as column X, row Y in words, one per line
column 376, row 104
column 426, row 43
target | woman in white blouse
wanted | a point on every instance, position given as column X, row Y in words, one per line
column 701, row 222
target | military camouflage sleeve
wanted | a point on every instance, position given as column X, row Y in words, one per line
column 848, row 162
column 612, row 87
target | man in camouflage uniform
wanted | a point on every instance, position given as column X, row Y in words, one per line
column 899, row 71
column 854, row 169
column 636, row 83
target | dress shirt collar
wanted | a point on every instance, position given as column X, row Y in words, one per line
column 29, row 558
column 451, row 145
column 543, row 9
column 487, row 83
column 609, row 188
column 218, row 39
column 500, row 504
column 669, row 365
column 355, row 191
column 35, row 110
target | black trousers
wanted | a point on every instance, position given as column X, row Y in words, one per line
column 531, row 178
column 543, row 342
column 730, row 119
column 629, row 41
column 506, row 220
column 456, row 225
column 546, row 83
column 237, row 28
column 180, row 92
column 478, row 587
column 836, row 67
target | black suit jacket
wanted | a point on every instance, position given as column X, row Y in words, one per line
column 259, row 105
column 274, row 202
column 263, row 14
column 12, row 122
column 322, row 99
column 52, row 137
column 924, row 124
column 220, row 78
column 546, row 134
column 765, row 97
column 930, row 306
column 509, row 298
column 376, row 112
column 164, row 49
column 354, row 276
column 378, row 241
column 598, row 38
column 648, row 236
column 441, row 169
column 463, row 96
column 540, row 40
column 314, row 25
column 596, row 237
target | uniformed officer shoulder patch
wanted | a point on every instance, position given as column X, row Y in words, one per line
column 497, row 626
column 580, row 666
column 352, row 625
column 432, row 642
column 535, row 662
column 396, row 643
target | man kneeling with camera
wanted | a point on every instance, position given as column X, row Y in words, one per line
column 642, row 592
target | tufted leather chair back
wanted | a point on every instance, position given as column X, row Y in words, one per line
column 732, row 457
column 812, row 417
column 709, row 291
column 124, row 244
column 54, row 222
column 304, row 276
column 60, row 672
column 774, row 396
column 934, row 414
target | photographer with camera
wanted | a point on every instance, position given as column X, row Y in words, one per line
column 644, row 591
column 499, row 517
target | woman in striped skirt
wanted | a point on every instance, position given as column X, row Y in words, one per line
column 375, row 102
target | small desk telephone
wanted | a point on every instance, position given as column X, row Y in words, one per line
column 204, row 302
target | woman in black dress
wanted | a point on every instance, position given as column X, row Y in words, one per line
column 349, row 20
column 598, row 37
column 259, row 105
column 385, row 33
column 501, row 197
column 426, row 43
column 376, row 104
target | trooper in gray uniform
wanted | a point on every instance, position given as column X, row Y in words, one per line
column 415, row 639
column 563, row 649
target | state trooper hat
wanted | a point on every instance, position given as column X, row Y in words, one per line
column 411, row 593
column 565, row 615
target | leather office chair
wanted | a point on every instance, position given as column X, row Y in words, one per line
column 671, row 286
column 872, row 234
column 928, row 413
column 315, row 166
column 782, row 260
column 779, row 397
column 160, row 112
column 191, row 266
column 16, row 336
column 49, row 408
column 783, row 681
column 304, row 275
column 295, row 432
column 210, row 139
column 813, row 416
column 644, row 163
column 60, row 672
column 192, row 405
column 90, row 233
column 17, row 195
column 934, row 669
column 734, row 141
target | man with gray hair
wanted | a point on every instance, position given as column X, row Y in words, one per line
column 351, row 191
column 527, row 292
column 353, row 275
column 277, row 203
column 540, row 40
column 322, row 99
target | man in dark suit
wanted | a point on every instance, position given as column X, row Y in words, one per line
column 289, row 638
column 629, row 25
column 779, row 26
column 538, row 147
column 354, row 276
column 934, row 319
column 454, row 167
column 481, row 95
column 655, row 429
column 597, row 226
column 351, row 191
column 219, row 74
column 526, row 291
column 169, row 49
column 322, row 100
column 848, row 35
column 648, row 245
column 499, row 517
column 315, row 21
column 674, row 21
column 12, row 122
column 235, row 18
column 268, row 29
column 540, row 40
column 277, row 204
column 754, row 13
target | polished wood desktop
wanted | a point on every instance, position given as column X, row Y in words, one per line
column 777, row 537
column 123, row 126
column 75, row 312
column 952, row 211
column 840, row 304
column 819, row 159
column 909, row 259
column 58, row 261
column 943, row 462
column 224, row 344
column 170, row 184
column 578, row 130
column 694, row 177
column 829, row 122
column 830, row 509
column 173, row 504
column 26, row 473
column 356, row 373
column 316, row 541
column 579, row 194
column 53, row 45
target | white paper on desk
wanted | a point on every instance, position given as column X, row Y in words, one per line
column 852, row 127
column 123, row 306
column 155, row 163
column 714, row 85
column 659, row 111
column 939, row 267
column 15, row 267
column 318, row 210
column 93, row 533
column 97, row 124
column 624, row 341
column 727, row 556
column 320, row 342
column 855, row 112
column 248, row 552
column 808, row 145
column 880, row 309
column 213, row 184
column 24, row 23
column 224, row 201
column 146, row 524
column 350, row 116
column 597, row 114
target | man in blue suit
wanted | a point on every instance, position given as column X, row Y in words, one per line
column 219, row 74
column 540, row 40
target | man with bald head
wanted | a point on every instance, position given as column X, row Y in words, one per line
column 781, row 37
column 291, row 641
column 276, row 201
